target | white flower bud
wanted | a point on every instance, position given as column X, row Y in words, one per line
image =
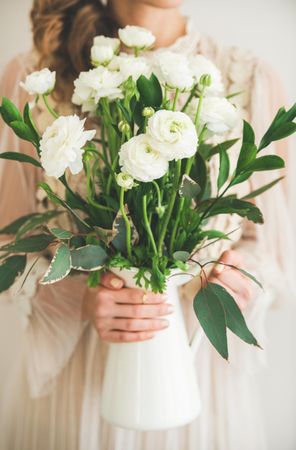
column 101, row 54
column 39, row 83
column 148, row 111
column 125, row 180
column 124, row 127
column 107, row 42
column 136, row 37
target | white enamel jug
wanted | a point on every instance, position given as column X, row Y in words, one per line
column 152, row 385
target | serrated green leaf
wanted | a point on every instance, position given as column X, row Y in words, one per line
column 223, row 169
column 10, row 269
column 88, row 258
column 60, row 266
column 30, row 244
column 60, row 233
column 9, row 111
column 269, row 162
column 211, row 316
column 36, row 221
column 234, row 319
column 262, row 189
column 21, row 157
column 189, row 188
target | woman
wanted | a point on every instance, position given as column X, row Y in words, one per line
column 54, row 402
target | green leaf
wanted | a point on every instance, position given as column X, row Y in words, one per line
column 22, row 130
column 199, row 173
column 21, row 157
column 269, row 162
column 9, row 111
column 244, row 272
column 234, row 319
column 241, row 178
column 14, row 226
column 60, row 266
column 223, row 169
column 181, row 256
column 60, row 233
column 211, row 316
column 262, row 189
column 189, row 188
column 30, row 244
column 248, row 133
column 222, row 146
column 213, row 234
column 58, row 201
column 230, row 205
column 10, row 269
column 150, row 90
column 247, row 154
column 281, row 126
column 36, row 221
column 285, row 130
column 88, row 258
column 28, row 119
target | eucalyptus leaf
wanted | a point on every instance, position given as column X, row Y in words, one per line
column 60, row 266
column 21, row 157
column 10, row 269
column 234, row 319
column 88, row 258
column 30, row 244
column 211, row 315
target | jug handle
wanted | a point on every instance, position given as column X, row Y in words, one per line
column 196, row 340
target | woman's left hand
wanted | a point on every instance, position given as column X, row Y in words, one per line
column 231, row 279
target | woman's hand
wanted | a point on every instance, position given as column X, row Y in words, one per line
column 121, row 314
column 232, row 280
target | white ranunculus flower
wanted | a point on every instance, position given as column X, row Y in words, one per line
column 61, row 145
column 202, row 66
column 129, row 65
column 218, row 114
column 136, row 37
column 173, row 70
column 173, row 134
column 101, row 54
column 40, row 82
column 141, row 160
column 125, row 180
column 95, row 84
column 113, row 43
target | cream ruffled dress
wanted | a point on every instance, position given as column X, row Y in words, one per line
column 52, row 398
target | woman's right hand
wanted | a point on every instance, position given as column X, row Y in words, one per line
column 120, row 315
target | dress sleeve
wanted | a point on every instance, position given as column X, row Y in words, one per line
column 268, row 250
column 52, row 314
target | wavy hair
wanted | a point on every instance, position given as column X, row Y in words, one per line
column 63, row 32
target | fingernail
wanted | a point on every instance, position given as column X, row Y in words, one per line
column 116, row 283
column 165, row 324
column 219, row 268
column 170, row 308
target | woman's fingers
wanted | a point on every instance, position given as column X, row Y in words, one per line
column 230, row 257
column 142, row 311
column 111, row 281
column 136, row 324
column 131, row 296
column 123, row 336
column 240, row 300
column 237, row 282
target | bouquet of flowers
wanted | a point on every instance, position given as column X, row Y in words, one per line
column 150, row 192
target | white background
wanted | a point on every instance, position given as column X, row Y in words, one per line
column 268, row 28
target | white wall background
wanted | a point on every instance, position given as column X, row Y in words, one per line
column 267, row 27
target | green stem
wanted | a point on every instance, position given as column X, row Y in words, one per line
column 90, row 190
column 196, row 119
column 170, row 207
column 136, row 52
column 180, row 207
column 49, row 108
column 127, row 225
column 158, row 193
column 147, row 226
column 175, row 99
column 190, row 97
